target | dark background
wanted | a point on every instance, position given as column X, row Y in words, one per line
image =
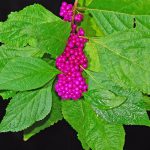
column 61, row 136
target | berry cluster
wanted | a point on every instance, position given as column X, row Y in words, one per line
column 78, row 17
column 66, row 11
column 71, row 63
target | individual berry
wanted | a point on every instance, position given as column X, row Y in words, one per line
column 81, row 32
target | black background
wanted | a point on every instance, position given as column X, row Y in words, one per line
column 61, row 136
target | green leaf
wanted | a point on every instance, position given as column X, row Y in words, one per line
column 22, row 74
column 28, row 27
column 7, row 53
column 124, row 58
column 89, row 25
column 104, row 99
column 128, row 113
column 110, row 22
column 84, row 2
column 52, row 37
column 125, row 6
column 116, row 105
column 146, row 101
column 83, row 142
column 20, row 24
column 142, row 22
column 7, row 94
column 124, row 61
column 97, row 133
column 26, row 108
column 93, row 57
column 54, row 116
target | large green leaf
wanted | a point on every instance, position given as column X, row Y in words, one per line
column 125, row 6
column 28, row 27
column 26, row 108
column 54, row 116
column 110, row 17
column 124, row 58
column 128, row 113
column 25, row 73
column 7, row 53
column 116, row 104
column 109, row 21
column 98, row 134
column 104, row 99
column 52, row 37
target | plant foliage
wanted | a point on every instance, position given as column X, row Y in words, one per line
column 118, row 75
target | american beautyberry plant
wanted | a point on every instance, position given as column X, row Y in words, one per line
column 90, row 67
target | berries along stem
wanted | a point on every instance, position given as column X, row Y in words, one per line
column 71, row 84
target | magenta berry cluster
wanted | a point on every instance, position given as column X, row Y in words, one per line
column 66, row 11
column 73, row 61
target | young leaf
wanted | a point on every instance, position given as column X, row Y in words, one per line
column 97, row 133
column 84, row 2
column 33, row 26
column 89, row 25
column 26, row 108
column 22, row 74
column 54, row 116
column 124, row 58
column 128, row 6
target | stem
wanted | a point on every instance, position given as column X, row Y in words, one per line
column 89, row 74
column 84, row 37
column 74, row 11
column 81, row 8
